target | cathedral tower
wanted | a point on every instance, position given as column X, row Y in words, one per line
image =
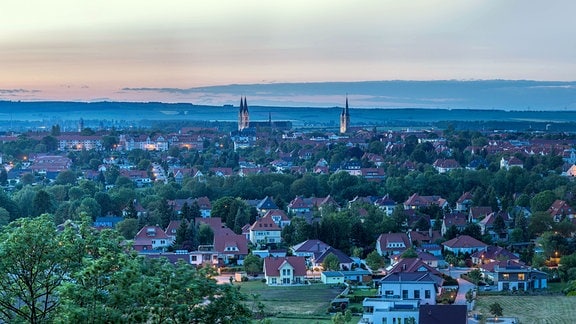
column 344, row 118
column 243, row 116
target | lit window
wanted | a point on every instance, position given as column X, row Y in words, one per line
column 521, row 276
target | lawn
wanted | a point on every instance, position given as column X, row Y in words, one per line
column 310, row 300
column 532, row 309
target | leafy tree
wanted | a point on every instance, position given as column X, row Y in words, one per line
column 253, row 264
column 475, row 276
column 4, row 217
column 91, row 207
column 473, row 230
column 205, row 234
column 539, row 223
column 331, row 263
column 422, row 224
column 409, row 253
column 496, row 309
column 42, row 203
column 469, row 296
column 35, row 260
column 374, row 260
column 499, row 225
column 192, row 237
column 128, row 228
column 542, row 201
column 451, row 232
column 3, row 177
column 66, row 177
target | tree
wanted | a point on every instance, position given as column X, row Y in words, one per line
column 422, row 224
column 374, row 260
column 35, row 260
column 66, row 177
column 473, row 230
column 253, row 264
column 42, row 203
column 410, row 253
column 475, row 276
column 128, row 228
column 3, row 177
column 469, row 296
column 331, row 262
column 205, row 234
column 496, row 310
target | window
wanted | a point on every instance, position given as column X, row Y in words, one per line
column 273, row 281
column 521, row 276
column 505, row 276
column 389, row 293
column 417, row 294
column 194, row 258
column 404, row 294
column 162, row 242
column 427, row 294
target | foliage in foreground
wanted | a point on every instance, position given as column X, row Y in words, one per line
column 79, row 275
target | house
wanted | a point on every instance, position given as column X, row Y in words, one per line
column 392, row 243
column 386, row 310
column 463, row 203
column 416, row 201
column 493, row 253
column 513, row 275
column 232, row 248
column 489, row 225
column 265, row 231
column 409, row 285
column 151, row 238
column 560, row 209
column 418, row 238
column 459, row 220
column 309, row 248
column 336, row 277
column 345, row 262
column 476, row 214
column 107, row 222
column 289, row 270
column 172, row 228
column 464, row 244
column 386, row 204
column 511, row 162
column 279, row 217
column 265, row 205
column 445, row 165
column 442, row 314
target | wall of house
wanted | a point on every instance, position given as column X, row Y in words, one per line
column 414, row 290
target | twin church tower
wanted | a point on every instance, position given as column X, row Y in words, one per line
column 244, row 117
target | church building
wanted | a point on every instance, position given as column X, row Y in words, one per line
column 344, row 119
column 243, row 116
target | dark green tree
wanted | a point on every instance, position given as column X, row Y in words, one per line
column 253, row 264
column 331, row 263
column 42, row 203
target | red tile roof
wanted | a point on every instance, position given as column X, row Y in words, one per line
column 464, row 241
column 272, row 265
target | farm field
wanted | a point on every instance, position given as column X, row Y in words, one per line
column 532, row 309
column 300, row 304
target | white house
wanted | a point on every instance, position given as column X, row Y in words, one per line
column 284, row 271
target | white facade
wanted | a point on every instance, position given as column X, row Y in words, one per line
column 390, row 311
column 423, row 291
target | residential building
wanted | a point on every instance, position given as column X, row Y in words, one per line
column 464, row 244
column 512, row 275
column 388, row 310
column 265, row 231
column 289, row 270
column 151, row 238
column 392, row 243
column 416, row 201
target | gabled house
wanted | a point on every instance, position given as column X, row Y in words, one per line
column 511, row 162
column 284, row 271
column 386, row 204
column 488, row 225
column 231, row 247
column 493, row 254
column 392, row 243
column 464, row 202
column 416, row 201
column 344, row 260
column 511, row 275
column 279, row 217
column 418, row 238
column 172, row 228
column 476, row 214
column 265, row 231
column 265, row 205
column 309, row 248
column 151, row 238
column 409, row 285
column 445, row 165
column 560, row 209
column 460, row 220
column 464, row 244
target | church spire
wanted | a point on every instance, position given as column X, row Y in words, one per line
column 345, row 118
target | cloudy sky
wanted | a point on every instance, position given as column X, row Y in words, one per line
column 124, row 49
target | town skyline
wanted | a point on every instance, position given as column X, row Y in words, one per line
column 112, row 51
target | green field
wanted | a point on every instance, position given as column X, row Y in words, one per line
column 299, row 304
column 532, row 309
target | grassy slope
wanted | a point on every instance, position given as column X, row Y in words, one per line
column 532, row 309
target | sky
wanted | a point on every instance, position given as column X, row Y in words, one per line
column 131, row 49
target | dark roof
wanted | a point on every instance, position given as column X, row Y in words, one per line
column 441, row 314
column 464, row 241
column 267, row 203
